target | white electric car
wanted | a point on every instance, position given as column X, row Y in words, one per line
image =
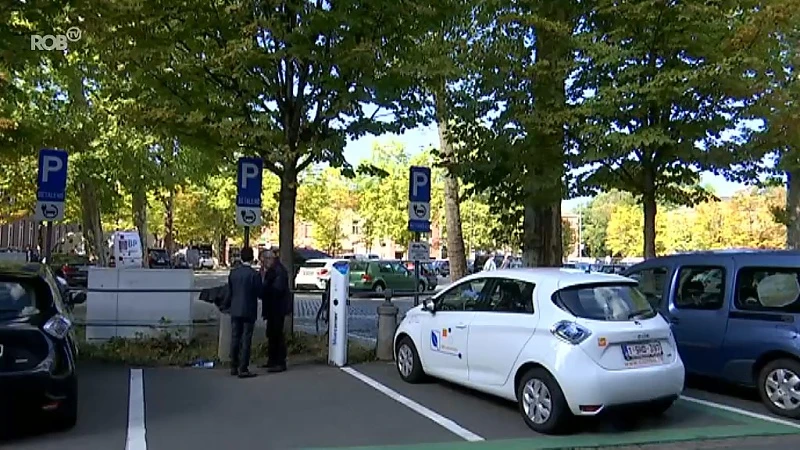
column 559, row 342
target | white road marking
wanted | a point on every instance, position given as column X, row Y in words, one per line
column 741, row 411
column 136, row 432
column 432, row 415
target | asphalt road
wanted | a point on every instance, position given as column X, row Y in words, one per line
column 313, row 406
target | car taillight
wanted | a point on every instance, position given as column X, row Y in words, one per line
column 58, row 326
column 67, row 269
column 366, row 278
column 322, row 272
column 570, row 332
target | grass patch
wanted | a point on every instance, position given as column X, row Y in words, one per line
column 167, row 349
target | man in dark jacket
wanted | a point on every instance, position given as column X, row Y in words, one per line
column 244, row 287
column 276, row 299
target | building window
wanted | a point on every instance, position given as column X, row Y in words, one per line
column 356, row 228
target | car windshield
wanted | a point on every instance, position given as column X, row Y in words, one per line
column 606, row 301
column 17, row 299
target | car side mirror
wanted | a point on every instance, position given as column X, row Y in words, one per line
column 77, row 298
column 428, row 305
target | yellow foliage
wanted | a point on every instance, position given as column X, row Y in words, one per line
column 744, row 221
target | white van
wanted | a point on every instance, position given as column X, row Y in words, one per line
column 126, row 250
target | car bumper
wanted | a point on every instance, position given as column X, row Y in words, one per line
column 33, row 391
column 592, row 386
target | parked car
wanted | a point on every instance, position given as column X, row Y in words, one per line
column 315, row 273
column 442, row 267
column 158, row 258
column 75, row 268
column 559, row 342
column 379, row 275
column 734, row 315
column 37, row 344
column 427, row 273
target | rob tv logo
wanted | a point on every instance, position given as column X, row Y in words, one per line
column 55, row 41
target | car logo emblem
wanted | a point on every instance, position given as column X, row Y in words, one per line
column 637, row 322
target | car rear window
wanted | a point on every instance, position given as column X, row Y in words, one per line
column 358, row 266
column 607, row 301
column 17, row 299
column 314, row 264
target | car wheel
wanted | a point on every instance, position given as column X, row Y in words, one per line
column 378, row 288
column 66, row 416
column 408, row 363
column 779, row 387
column 542, row 403
column 421, row 287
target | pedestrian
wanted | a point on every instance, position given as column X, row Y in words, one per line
column 244, row 286
column 276, row 300
column 506, row 262
column 490, row 264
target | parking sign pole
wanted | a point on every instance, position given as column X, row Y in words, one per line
column 246, row 238
column 416, row 273
column 48, row 240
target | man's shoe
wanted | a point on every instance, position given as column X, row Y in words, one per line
column 246, row 374
column 235, row 372
column 276, row 369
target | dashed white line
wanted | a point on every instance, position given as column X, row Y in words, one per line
column 416, row 407
column 136, row 439
column 741, row 411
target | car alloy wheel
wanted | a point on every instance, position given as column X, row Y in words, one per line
column 405, row 360
column 537, row 401
column 782, row 387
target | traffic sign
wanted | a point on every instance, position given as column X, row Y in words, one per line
column 419, row 251
column 51, row 192
column 419, row 199
column 248, row 191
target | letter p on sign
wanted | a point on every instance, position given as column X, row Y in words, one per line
column 51, row 164
column 249, row 171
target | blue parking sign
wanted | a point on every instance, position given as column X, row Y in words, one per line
column 52, row 178
column 248, row 182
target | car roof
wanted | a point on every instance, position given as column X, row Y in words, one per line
column 562, row 277
column 746, row 256
column 325, row 260
column 20, row 269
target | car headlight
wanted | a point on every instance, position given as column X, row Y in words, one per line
column 58, row 326
column 570, row 332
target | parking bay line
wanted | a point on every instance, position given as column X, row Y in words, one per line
column 740, row 411
column 136, row 439
column 416, row 407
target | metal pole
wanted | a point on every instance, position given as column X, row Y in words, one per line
column 580, row 233
column 48, row 239
column 416, row 275
column 246, row 238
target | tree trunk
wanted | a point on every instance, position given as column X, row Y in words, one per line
column 169, row 221
column 542, row 240
column 793, row 209
column 139, row 208
column 92, row 226
column 650, row 209
column 287, row 201
column 452, row 208
column 223, row 250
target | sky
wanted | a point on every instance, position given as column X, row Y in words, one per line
column 422, row 138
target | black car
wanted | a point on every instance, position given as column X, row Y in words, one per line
column 37, row 345
column 158, row 258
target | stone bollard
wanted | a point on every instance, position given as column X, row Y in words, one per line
column 387, row 324
column 224, row 350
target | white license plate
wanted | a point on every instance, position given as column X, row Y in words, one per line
column 308, row 272
column 642, row 350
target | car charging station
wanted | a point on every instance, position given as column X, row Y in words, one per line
column 337, row 332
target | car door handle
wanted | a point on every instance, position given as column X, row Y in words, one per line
column 461, row 326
